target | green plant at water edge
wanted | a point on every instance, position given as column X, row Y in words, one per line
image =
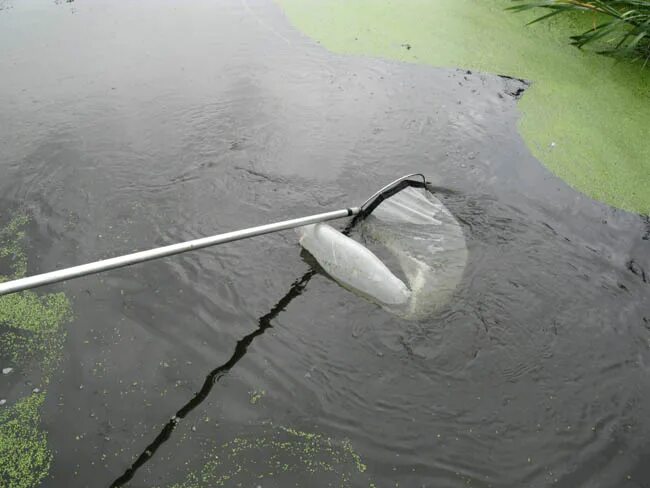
column 620, row 27
column 31, row 340
column 584, row 116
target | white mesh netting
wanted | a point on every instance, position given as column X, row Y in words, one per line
column 418, row 230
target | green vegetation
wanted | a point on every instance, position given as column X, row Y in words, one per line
column 31, row 338
column 585, row 115
column 24, row 456
column 256, row 396
column 277, row 453
column 12, row 253
column 30, row 329
column 620, row 28
column 30, row 325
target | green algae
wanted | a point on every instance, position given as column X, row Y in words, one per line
column 30, row 325
column 31, row 337
column 585, row 116
column 24, row 456
column 276, row 452
column 34, row 313
column 12, row 252
column 256, row 396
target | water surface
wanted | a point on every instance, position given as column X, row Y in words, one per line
column 127, row 125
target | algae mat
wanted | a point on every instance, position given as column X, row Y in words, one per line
column 31, row 340
column 585, row 116
column 279, row 456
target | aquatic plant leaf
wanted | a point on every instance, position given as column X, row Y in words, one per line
column 629, row 26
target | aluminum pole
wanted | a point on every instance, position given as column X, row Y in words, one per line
column 161, row 252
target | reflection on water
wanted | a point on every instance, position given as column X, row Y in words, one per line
column 129, row 125
column 240, row 350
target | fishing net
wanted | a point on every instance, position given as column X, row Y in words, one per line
column 419, row 232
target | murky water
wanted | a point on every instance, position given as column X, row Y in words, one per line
column 126, row 125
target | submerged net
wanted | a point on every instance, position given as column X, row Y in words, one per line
column 427, row 241
column 418, row 230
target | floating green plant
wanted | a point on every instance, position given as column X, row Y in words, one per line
column 12, row 252
column 30, row 328
column 24, row 456
column 280, row 453
column 31, row 337
column 256, row 396
column 585, row 115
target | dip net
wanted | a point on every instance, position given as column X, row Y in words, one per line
column 419, row 232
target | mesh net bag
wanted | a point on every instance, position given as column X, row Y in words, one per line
column 419, row 232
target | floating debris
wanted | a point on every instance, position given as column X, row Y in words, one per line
column 256, row 396
column 282, row 454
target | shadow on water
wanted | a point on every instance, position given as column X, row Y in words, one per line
column 241, row 349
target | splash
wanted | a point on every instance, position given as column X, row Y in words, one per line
column 427, row 241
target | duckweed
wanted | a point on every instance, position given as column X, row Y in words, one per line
column 24, row 456
column 256, row 396
column 31, row 335
column 12, row 252
column 584, row 117
column 278, row 452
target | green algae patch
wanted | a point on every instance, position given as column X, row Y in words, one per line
column 585, row 116
column 34, row 313
column 31, row 330
column 31, row 338
column 24, row 456
column 38, row 340
column 256, row 396
column 30, row 324
column 12, row 252
column 280, row 454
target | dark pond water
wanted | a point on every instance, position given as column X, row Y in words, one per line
column 125, row 125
